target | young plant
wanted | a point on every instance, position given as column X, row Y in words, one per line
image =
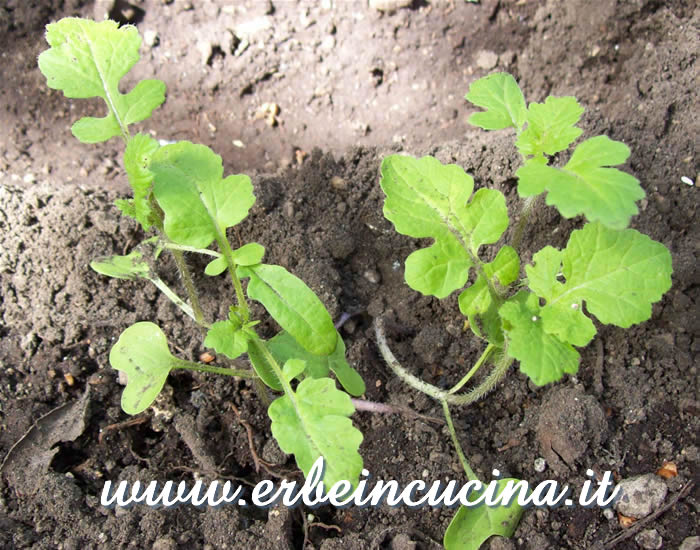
column 180, row 194
column 606, row 270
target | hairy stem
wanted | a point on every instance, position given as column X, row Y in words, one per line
column 455, row 441
column 497, row 373
column 473, row 370
column 179, row 257
column 174, row 298
column 525, row 212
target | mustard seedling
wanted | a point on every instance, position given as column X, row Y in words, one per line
column 606, row 271
column 181, row 195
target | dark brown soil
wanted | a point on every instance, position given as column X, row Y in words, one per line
column 352, row 84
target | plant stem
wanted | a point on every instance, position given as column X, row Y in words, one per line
column 497, row 373
column 174, row 298
column 463, row 459
column 191, row 365
column 473, row 370
column 525, row 212
column 475, row 394
column 189, row 286
column 185, row 248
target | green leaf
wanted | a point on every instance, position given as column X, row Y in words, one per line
column 283, row 347
column 249, row 254
column 585, row 185
column 137, row 158
column 122, row 267
column 551, row 126
column 618, row 274
column 88, row 59
column 216, row 267
column 476, row 302
column 142, row 354
column 263, row 369
column 471, row 526
column 500, row 95
column 227, row 337
column 425, row 198
column 292, row 369
column 543, row 356
column 198, row 204
column 293, row 305
column 314, row 422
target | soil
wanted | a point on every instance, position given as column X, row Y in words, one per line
column 351, row 83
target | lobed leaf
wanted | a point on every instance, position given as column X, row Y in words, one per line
column 248, row 254
column 425, row 198
column 283, row 347
column 585, row 185
column 551, row 126
column 142, row 354
column 293, row 305
column 543, row 356
column 198, row 204
column 471, row 526
column 503, row 100
column 88, row 59
column 618, row 274
column 227, row 337
column 314, row 422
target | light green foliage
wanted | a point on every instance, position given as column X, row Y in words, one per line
column 425, row 198
column 471, row 526
column 551, row 126
column 617, row 274
column 293, row 305
column 313, row 421
column 198, row 204
column 477, row 303
column 142, row 354
column 500, row 96
column 179, row 190
column 586, row 185
column 543, row 357
column 88, row 59
column 227, row 337
column 122, row 267
column 248, row 254
column 137, row 158
column 283, row 347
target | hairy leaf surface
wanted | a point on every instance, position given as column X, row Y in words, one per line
column 551, row 126
column 88, row 59
column 314, row 422
column 198, row 204
column 586, row 185
column 425, row 198
column 500, row 96
column 137, row 158
column 227, row 337
column 122, row 267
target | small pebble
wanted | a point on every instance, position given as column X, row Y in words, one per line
column 151, row 38
column 640, row 496
column 540, row 465
column 649, row 539
column 372, row 276
column 29, row 178
column 338, row 183
column 690, row 543
column 486, row 59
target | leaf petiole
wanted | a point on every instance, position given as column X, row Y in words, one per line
column 185, row 248
column 455, row 441
column 472, row 371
